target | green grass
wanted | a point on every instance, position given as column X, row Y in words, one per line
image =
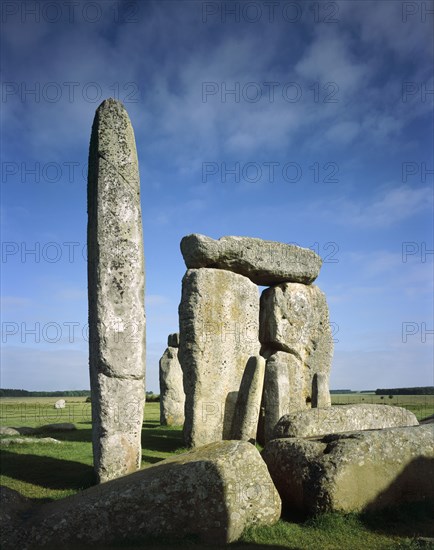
column 49, row 472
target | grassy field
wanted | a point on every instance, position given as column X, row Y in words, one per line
column 48, row 472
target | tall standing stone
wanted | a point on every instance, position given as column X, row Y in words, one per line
column 247, row 409
column 116, row 281
column 172, row 396
column 219, row 323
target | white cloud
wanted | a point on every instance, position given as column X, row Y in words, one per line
column 389, row 207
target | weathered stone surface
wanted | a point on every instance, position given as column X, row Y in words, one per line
column 219, row 315
column 342, row 418
column 60, row 404
column 247, row 408
column 320, row 390
column 12, row 507
column 172, row 396
column 263, row 262
column 116, row 293
column 282, row 393
column 4, row 430
column 353, row 471
column 294, row 319
column 213, row 492
column 173, row 340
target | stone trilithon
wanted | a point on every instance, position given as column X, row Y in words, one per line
column 116, row 281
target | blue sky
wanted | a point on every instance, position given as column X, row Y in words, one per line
column 305, row 122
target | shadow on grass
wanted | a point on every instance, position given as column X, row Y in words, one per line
column 406, row 520
column 80, row 436
column 161, row 439
column 45, row 471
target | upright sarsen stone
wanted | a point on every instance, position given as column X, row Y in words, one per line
column 219, row 324
column 116, row 281
column 172, row 397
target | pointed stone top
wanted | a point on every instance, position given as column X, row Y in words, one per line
column 113, row 141
column 111, row 103
column 263, row 262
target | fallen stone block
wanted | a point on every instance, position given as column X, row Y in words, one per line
column 353, row 472
column 13, row 506
column 342, row 418
column 4, row 430
column 213, row 492
column 263, row 262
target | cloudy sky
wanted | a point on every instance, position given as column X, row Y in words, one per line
column 299, row 122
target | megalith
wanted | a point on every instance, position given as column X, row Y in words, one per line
column 296, row 338
column 116, row 280
column 247, row 408
column 263, row 262
column 219, row 325
column 172, row 397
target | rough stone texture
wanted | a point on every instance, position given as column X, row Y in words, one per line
column 13, row 506
column 60, row 404
column 294, row 321
column 219, row 315
column 320, row 391
column 263, row 262
column 173, row 340
column 213, row 492
column 247, row 408
column 282, row 393
column 116, row 293
column 342, row 418
column 172, row 396
column 354, row 471
column 4, row 430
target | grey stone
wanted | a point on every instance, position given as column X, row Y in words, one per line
column 116, row 294
column 342, row 418
column 60, row 404
column 173, row 340
column 247, row 408
column 213, row 492
column 294, row 321
column 276, row 393
column 218, row 315
column 172, row 397
column 355, row 471
column 12, row 508
column 4, row 430
column 320, row 391
column 263, row 262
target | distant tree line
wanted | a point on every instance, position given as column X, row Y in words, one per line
column 26, row 393
column 342, row 391
column 422, row 390
column 150, row 396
